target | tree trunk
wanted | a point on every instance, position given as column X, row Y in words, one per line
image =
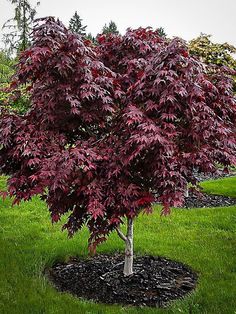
column 129, row 250
column 24, row 27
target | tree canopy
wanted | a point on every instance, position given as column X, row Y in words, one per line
column 114, row 127
column 213, row 53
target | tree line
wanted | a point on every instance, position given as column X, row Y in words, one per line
column 18, row 28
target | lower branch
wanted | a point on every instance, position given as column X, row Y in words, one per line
column 121, row 234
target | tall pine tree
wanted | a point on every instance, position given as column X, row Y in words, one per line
column 17, row 38
column 75, row 25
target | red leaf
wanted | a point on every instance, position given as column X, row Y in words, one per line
column 165, row 210
column 55, row 217
column 3, row 194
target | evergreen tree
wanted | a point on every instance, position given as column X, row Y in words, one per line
column 20, row 26
column 75, row 25
column 162, row 32
column 110, row 29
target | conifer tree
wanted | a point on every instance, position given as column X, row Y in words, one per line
column 162, row 32
column 17, row 38
column 75, row 25
column 110, row 29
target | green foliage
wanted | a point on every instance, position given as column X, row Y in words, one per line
column 162, row 32
column 6, row 67
column 213, row 53
column 202, row 238
column 110, row 29
column 17, row 38
column 17, row 100
column 75, row 25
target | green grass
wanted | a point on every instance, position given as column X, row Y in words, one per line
column 205, row 239
column 226, row 186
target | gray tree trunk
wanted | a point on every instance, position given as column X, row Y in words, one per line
column 129, row 249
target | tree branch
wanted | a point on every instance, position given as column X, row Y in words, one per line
column 121, row 234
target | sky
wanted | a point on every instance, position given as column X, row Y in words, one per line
column 182, row 18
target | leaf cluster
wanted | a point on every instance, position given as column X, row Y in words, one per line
column 213, row 53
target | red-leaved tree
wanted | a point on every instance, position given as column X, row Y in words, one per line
column 114, row 128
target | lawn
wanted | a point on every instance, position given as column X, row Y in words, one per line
column 205, row 239
column 225, row 187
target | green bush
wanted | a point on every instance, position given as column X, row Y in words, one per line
column 6, row 67
column 213, row 53
column 17, row 100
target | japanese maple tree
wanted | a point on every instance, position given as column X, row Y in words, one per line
column 114, row 128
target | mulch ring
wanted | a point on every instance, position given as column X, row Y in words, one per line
column 208, row 200
column 156, row 280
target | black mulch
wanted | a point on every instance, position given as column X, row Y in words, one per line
column 198, row 200
column 156, row 280
column 219, row 175
column 208, row 200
